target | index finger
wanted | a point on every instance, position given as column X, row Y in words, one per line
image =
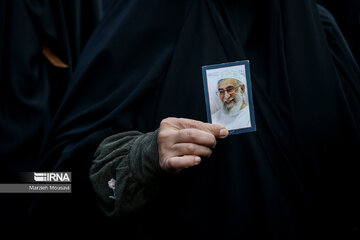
column 215, row 129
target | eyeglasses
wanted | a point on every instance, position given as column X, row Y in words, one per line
column 230, row 90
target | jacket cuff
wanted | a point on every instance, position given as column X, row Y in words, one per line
column 144, row 159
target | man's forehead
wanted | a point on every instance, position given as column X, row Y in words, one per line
column 228, row 82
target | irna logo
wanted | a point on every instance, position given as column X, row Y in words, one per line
column 52, row 177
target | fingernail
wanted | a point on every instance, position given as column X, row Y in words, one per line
column 223, row 133
column 197, row 160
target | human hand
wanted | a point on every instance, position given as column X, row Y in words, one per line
column 182, row 142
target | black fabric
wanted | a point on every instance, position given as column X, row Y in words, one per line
column 291, row 179
column 347, row 15
column 31, row 88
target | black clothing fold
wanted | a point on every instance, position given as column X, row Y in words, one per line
column 31, row 87
column 294, row 177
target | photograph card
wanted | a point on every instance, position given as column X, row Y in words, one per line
column 228, row 96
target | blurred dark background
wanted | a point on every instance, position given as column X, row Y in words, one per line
column 40, row 43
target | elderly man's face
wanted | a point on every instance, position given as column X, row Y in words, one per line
column 228, row 90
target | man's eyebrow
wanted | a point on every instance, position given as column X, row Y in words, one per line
column 229, row 87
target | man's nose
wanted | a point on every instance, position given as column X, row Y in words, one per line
column 226, row 95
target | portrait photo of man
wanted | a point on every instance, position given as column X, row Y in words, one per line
column 228, row 96
column 234, row 113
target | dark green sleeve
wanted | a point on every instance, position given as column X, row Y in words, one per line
column 131, row 158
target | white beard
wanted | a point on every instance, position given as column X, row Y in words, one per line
column 234, row 108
